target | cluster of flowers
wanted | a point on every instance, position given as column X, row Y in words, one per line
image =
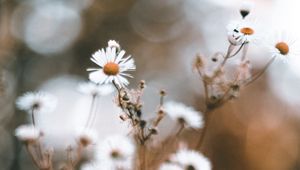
column 117, row 151
column 219, row 83
column 122, row 152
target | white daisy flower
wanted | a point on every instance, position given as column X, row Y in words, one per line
column 27, row 133
column 117, row 151
column 170, row 166
column 189, row 159
column 93, row 89
column 240, row 32
column 113, row 43
column 281, row 46
column 87, row 137
column 112, row 67
column 184, row 114
column 40, row 102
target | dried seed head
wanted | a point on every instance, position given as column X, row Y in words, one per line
column 142, row 84
column 162, row 92
column 123, row 117
column 111, row 69
column 115, row 154
column 153, row 130
column 85, row 141
column 282, row 47
column 198, row 63
column 161, row 112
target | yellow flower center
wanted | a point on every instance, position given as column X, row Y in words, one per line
column 247, row 31
column 111, row 69
column 283, row 48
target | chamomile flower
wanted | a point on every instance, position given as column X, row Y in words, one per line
column 93, row 89
column 189, row 159
column 112, row 65
column 87, row 137
column 281, row 46
column 40, row 102
column 170, row 166
column 183, row 114
column 117, row 151
column 27, row 133
column 240, row 32
column 245, row 8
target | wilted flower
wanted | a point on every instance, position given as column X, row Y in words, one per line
column 27, row 133
column 87, row 137
column 117, row 151
column 190, row 160
column 112, row 67
column 93, row 89
column 40, row 102
column 183, row 114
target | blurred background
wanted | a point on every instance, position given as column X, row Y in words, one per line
column 47, row 44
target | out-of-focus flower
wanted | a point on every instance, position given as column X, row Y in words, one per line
column 112, row 67
column 93, row 89
column 27, row 133
column 170, row 166
column 183, row 114
column 40, row 102
column 87, row 137
column 117, row 151
column 246, row 8
column 241, row 32
column 281, row 46
column 113, row 43
column 189, row 159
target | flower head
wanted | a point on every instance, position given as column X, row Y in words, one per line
column 113, row 43
column 281, row 46
column 246, row 8
column 117, row 151
column 27, row 133
column 113, row 66
column 40, row 102
column 93, row 89
column 190, row 160
column 240, row 32
column 183, row 114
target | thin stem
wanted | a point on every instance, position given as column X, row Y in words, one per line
column 91, row 111
column 32, row 116
column 143, row 162
column 32, row 155
column 94, row 115
column 204, row 131
column 179, row 130
column 257, row 75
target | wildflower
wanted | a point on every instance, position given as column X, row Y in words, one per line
column 246, row 8
column 170, row 166
column 116, row 150
column 191, row 160
column 93, row 89
column 239, row 32
column 87, row 137
column 112, row 67
column 281, row 46
column 184, row 115
column 40, row 102
column 27, row 133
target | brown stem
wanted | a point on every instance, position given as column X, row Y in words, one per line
column 204, row 130
column 32, row 155
column 143, row 163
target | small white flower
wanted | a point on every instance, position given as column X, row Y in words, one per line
column 117, row 151
column 90, row 166
column 240, row 32
column 41, row 102
column 27, row 133
column 113, row 43
column 170, row 166
column 281, row 46
column 93, row 89
column 112, row 67
column 87, row 137
column 189, row 159
column 184, row 114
